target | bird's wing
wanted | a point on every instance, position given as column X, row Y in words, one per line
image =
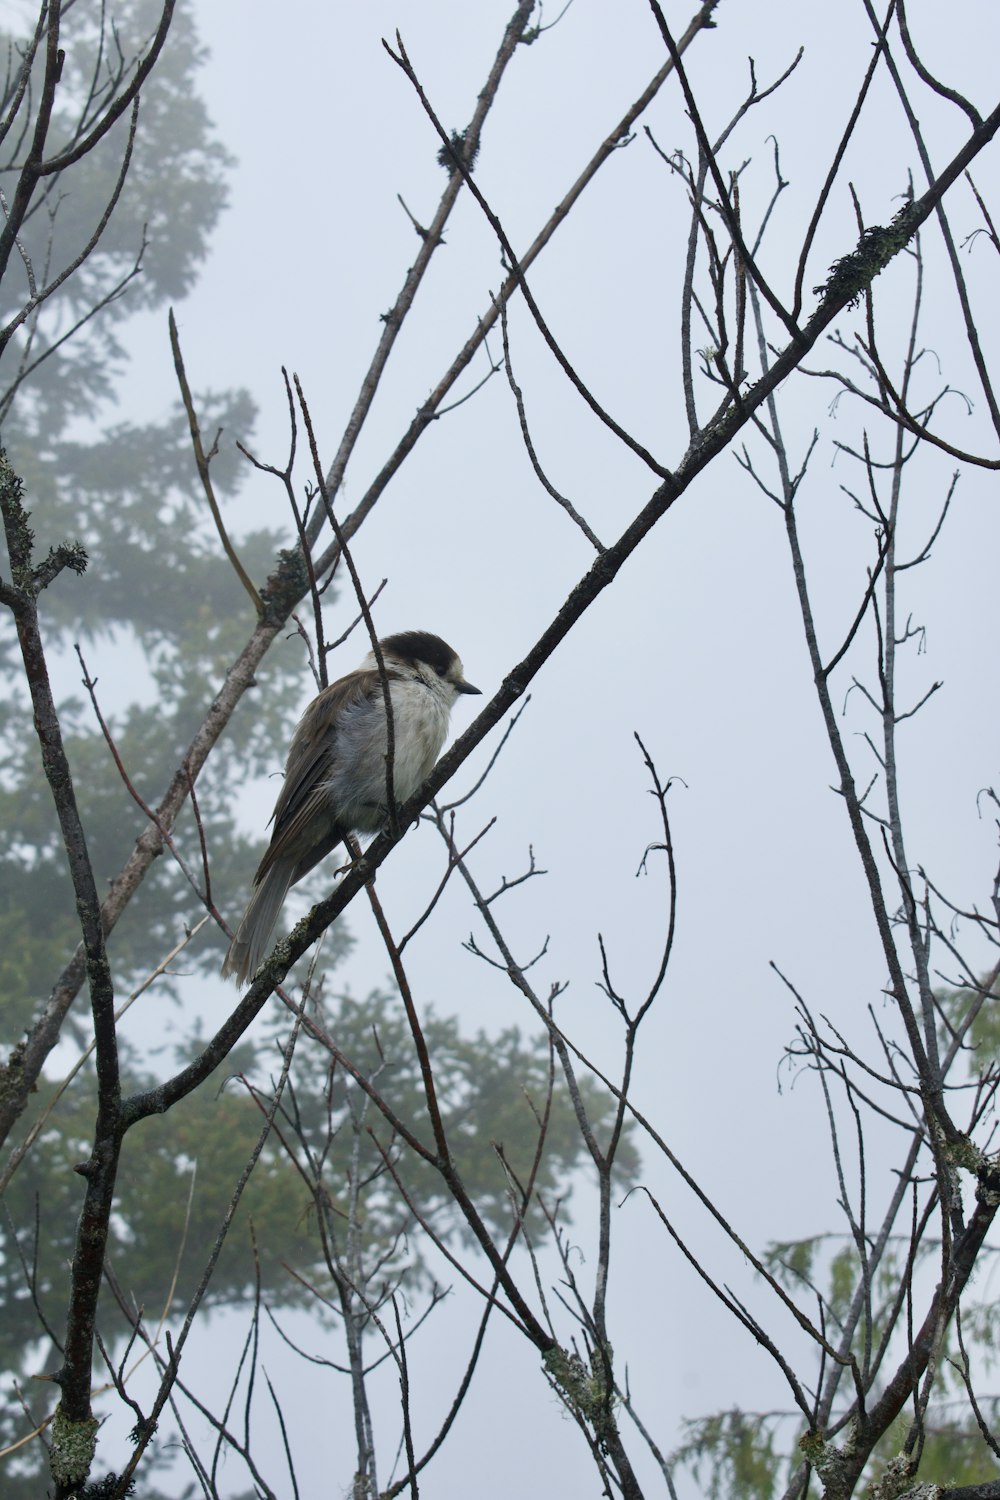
column 304, row 817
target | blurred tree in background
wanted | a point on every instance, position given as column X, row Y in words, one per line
column 158, row 585
column 159, row 589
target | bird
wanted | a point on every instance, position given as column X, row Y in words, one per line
column 335, row 775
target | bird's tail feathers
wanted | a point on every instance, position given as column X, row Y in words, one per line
column 249, row 947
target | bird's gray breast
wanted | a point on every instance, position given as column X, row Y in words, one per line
column 357, row 783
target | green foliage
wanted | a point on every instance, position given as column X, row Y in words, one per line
column 982, row 1039
column 732, row 1453
column 178, row 1169
column 178, row 1172
column 160, row 618
column 752, row 1454
column 745, row 1453
column 159, row 613
column 827, row 1264
column 953, row 1454
column 492, row 1092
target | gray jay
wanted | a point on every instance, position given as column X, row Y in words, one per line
column 335, row 777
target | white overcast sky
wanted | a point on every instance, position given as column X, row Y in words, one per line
column 697, row 646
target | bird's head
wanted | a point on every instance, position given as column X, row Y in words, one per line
column 420, row 655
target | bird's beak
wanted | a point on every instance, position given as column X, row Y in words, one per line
column 466, row 687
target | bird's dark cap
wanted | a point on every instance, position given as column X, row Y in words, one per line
column 420, row 645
